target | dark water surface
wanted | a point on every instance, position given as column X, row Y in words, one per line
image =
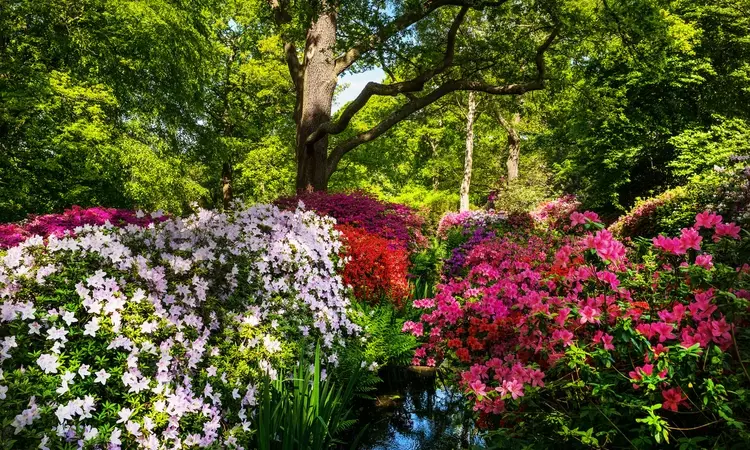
column 415, row 411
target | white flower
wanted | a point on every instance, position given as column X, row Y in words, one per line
column 57, row 334
column 125, row 414
column 271, row 345
column 91, row 328
column 3, row 391
column 48, row 363
column 133, row 428
column 83, row 371
column 251, row 320
column 102, row 376
column 69, row 318
column 68, row 376
column 90, row 433
column 43, row 444
column 34, row 328
column 114, row 438
column 63, row 388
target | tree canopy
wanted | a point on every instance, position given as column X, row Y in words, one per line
column 165, row 103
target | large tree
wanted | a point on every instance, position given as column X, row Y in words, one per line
column 336, row 36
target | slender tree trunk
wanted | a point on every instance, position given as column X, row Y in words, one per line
column 434, row 147
column 314, row 101
column 226, row 185
column 468, row 161
column 514, row 144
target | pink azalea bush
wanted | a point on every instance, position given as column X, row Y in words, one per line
column 70, row 219
column 469, row 220
column 156, row 336
column 572, row 337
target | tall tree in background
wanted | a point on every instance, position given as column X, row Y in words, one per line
column 471, row 117
column 514, row 142
column 336, row 35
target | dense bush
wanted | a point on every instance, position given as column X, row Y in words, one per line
column 158, row 336
column 388, row 220
column 69, row 220
column 379, row 237
column 376, row 267
column 571, row 337
column 724, row 190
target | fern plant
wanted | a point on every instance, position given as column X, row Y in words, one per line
column 384, row 341
column 305, row 411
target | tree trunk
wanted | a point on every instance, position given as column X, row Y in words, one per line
column 514, row 145
column 466, row 183
column 226, row 185
column 314, row 100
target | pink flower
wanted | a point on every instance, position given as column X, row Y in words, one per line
column 669, row 245
column 707, row 220
column 705, row 261
column 589, row 314
column 512, row 388
column 605, row 339
column 727, row 229
column 577, row 219
column 416, row 328
column 563, row 335
column 672, row 398
column 690, row 239
column 431, row 362
column 592, row 216
column 478, row 387
column 664, row 330
column 536, row 378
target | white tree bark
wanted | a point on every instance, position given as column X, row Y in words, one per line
column 468, row 157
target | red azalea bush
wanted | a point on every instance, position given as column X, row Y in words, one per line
column 574, row 338
column 376, row 267
column 389, row 220
column 69, row 220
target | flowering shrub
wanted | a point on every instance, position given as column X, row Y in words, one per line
column 555, row 213
column 469, row 220
column 463, row 231
column 573, row 337
column 376, row 267
column 156, row 336
column 59, row 224
column 391, row 221
column 726, row 191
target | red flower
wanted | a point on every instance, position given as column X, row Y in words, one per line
column 672, row 398
column 376, row 267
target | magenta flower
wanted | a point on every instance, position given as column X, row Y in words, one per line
column 690, row 239
column 726, row 229
column 590, row 315
column 704, row 261
column 707, row 219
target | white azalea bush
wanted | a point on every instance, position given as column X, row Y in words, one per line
column 157, row 337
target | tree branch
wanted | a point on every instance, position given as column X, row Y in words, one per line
column 292, row 61
column 403, row 87
column 280, row 13
column 451, row 86
column 401, row 23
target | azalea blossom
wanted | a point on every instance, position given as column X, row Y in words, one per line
column 48, row 363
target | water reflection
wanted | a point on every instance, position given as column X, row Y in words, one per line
column 415, row 411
